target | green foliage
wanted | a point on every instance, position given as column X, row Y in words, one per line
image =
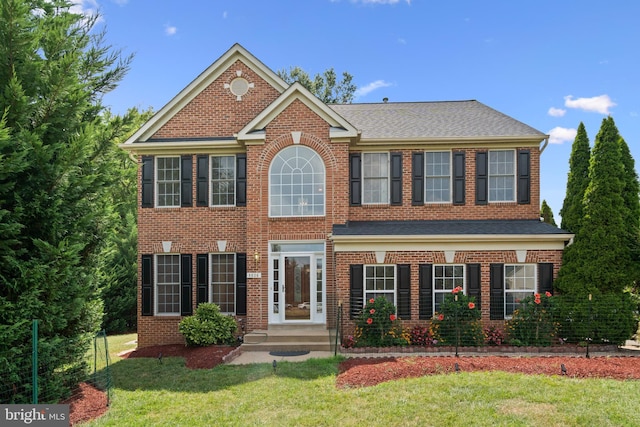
column 55, row 179
column 458, row 322
column 547, row 214
column 605, row 319
column 535, row 323
column 325, row 86
column 208, row 326
column 577, row 182
column 378, row 326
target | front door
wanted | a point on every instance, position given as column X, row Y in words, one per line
column 296, row 288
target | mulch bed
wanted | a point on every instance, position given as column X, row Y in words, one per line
column 195, row 357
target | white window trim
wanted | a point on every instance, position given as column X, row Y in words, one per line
column 156, row 284
column 210, row 183
column 426, row 178
column 156, row 183
column 504, row 284
column 514, row 175
column 235, row 280
column 388, row 178
column 447, row 291
column 395, row 283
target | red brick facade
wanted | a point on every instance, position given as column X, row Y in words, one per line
column 213, row 113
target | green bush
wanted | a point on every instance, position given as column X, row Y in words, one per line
column 377, row 325
column 535, row 323
column 458, row 322
column 208, row 326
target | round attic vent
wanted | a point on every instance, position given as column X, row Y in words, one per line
column 239, row 86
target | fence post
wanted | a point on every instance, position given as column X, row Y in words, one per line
column 34, row 361
column 455, row 297
column 590, row 332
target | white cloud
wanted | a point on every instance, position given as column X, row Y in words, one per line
column 560, row 135
column 597, row 104
column 170, row 30
column 402, row 41
column 556, row 112
column 365, row 90
column 88, row 8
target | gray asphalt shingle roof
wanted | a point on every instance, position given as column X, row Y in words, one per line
column 446, row 119
column 445, row 227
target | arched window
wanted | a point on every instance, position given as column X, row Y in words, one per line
column 296, row 183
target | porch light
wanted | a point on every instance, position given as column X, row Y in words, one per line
column 256, row 256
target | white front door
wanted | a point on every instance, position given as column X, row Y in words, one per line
column 296, row 284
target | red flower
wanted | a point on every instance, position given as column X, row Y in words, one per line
column 472, row 305
column 369, row 321
column 441, row 317
column 392, row 317
column 548, row 293
column 373, row 310
column 536, row 296
column 537, row 300
column 456, row 289
column 371, row 301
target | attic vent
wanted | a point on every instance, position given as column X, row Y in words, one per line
column 239, row 87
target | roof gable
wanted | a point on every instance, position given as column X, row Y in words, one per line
column 235, row 53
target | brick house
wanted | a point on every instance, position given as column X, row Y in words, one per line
column 255, row 195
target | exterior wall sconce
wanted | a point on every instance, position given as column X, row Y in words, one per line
column 256, row 257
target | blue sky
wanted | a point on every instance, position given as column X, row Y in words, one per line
column 548, row 63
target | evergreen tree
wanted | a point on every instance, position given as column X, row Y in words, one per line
column 547, row 214
column 631, row 193
column 577, row 181
column 599, row 260
column 325, row 86
column 55, row 180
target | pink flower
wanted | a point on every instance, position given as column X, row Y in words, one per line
column 536, row 296
column 373, row 310
column 537, row 300
column 441, row 317
column 548, row 294
column 371, row 301
column 472, row 306
column 369, row 321
column 392, row 317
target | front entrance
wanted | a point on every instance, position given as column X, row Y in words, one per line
column 296, row 283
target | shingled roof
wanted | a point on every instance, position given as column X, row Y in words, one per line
column 446, row 119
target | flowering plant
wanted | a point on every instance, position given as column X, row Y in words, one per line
column 458, row 321
column 421, row 335
column 533, row 323
column 493, row 335
column 379, row 325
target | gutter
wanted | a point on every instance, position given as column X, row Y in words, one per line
column 546, row 142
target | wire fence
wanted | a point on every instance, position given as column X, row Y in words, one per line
column 536, row 320
column 34, row 374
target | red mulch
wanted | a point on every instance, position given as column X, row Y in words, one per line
column 90, row 403
column 363, row 372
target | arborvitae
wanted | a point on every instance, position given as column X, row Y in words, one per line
column 572, row 209
column 630, row 194
column 547, row 214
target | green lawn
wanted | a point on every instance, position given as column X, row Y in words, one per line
column 149, row 393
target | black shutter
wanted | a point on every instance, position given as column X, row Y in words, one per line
column 458, row 178
column 356, row 289
column 545, row 277
column 147, row 181
column 396, row 178
column 417, row 179
column 355, row 179
column 186, row 187
column 241, row 284
column 241, row 180
column 202, row 180
column 147, row 285
column 524, row 177
column 425, row 291
column 186, row 308
column 202, row 278
column 482, row 178
column 404, row 291
column 473, row 283
column 496, row 296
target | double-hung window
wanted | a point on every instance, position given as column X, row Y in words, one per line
column 519, row 283
column 380, row 281
column 438, row 176
column 502, row 176
column 445, row 279
column 168, row 284
column 223, row 281
column 168, row 181
column 223, row 180
column 375, row 178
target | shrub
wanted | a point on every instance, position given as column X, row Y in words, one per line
column 422, row 335
column 378, row 326
column 493, row 335
column 208, row 326
column 458, row 322
column 535, row 322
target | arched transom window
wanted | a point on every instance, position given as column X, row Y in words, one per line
column 296, row 183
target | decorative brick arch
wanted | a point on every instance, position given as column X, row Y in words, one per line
column 286, row 140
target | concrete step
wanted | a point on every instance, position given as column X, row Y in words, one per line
column 288, row 338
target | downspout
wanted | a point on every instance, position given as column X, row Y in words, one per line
column 546, row 142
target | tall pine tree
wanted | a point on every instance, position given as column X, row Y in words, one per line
column 547, row 214
column 55, row 178
column 577, row 181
